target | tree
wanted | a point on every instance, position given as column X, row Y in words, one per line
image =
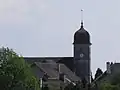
column 15, row 73
column 115, row 80
column 98, row 73
column 113, row 83
column 108, row 86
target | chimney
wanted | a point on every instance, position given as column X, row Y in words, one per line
column 108, row 66
column 58, row 68
column 111, row 63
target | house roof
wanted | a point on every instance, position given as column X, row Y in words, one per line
column 48, row 68
column 51, row 64
column 52, row 70
column 105, row 76
column 69, row 73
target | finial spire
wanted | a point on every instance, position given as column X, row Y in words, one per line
column 81, row 18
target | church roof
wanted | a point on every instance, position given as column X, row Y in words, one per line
column 81, row 36
column 48, row 59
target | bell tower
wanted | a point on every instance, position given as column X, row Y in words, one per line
column 82, row 53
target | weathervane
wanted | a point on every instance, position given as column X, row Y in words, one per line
column 81, row 15
column 81, row 18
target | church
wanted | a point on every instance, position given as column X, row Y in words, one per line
column 75, row 68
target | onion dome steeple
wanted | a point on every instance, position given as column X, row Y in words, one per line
column 81, row 36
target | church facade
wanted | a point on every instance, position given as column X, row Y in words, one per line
column 80, row 63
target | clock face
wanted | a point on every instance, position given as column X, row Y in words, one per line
column 81, row 55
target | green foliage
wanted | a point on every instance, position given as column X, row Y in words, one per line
column 98, row 73
column 115, row 79
column 15, row 73
column 113, row 84
column 108, row 86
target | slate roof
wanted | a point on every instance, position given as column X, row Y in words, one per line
column 39, row 59
column 69, row 73
column 52, row 70
column 48, row 68
column 115, row 68
column 67, row 61
column 37, row 71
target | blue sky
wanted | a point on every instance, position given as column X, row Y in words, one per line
column 46, row 27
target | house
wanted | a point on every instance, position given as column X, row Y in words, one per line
column 52, row 73
column 112, row 69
